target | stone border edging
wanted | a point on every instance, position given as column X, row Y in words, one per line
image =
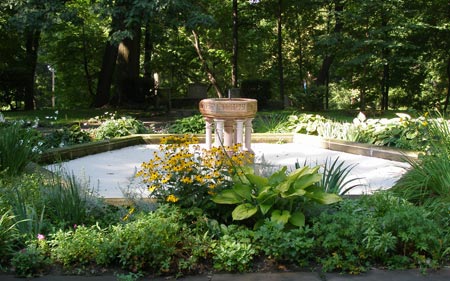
column 81, row 150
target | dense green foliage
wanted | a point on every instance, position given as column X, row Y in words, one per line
column 335, row 54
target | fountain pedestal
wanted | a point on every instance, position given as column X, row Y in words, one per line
column 230, row 119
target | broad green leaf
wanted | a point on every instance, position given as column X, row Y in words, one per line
column 293, row 193
column 244, row 211
column 278, row 177
column 266, row 201
column 243, row 190
column 323, row 197
column 297, row 219
column 258, row 181
column 227, row 196
column 281, row 216
column 306, row 180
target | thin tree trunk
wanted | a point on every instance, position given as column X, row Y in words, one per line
column 280, row 52
column 210, row 74
column 106, row 75
column 87, row 74
column 32, row 45
column 234, row 62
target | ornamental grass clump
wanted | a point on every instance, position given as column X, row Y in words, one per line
column 186, row 174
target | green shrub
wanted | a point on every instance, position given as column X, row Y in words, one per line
column 81, row 246
column 150, row 241
column 285, row 245
column 66, row 136
column 189, row 125
column 123, row 126
column 379, row 230
column 428, row 179
column 31, row 261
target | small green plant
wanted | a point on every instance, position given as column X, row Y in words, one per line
column 8, row 235
column 234, row 250
column 188, row 125
column 335, row 177
column 17, row 149
column 278, row 197
column 66, row 199
column 270, row 123
column 31, row 261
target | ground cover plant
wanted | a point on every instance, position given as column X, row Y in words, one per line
column 177, row 235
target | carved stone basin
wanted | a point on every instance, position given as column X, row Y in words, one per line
column 230, row 119
column 223, row 108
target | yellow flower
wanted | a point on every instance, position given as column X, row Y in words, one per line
column 186, row 180
column 172, row 198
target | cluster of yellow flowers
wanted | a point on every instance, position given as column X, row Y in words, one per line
column 184, row 172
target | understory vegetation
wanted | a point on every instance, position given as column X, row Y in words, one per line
column 212, row 211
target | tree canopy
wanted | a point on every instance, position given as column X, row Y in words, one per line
column 309, row 54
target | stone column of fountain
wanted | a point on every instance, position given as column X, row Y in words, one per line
column 231, row 120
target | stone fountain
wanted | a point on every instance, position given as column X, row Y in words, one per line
column 231, row 119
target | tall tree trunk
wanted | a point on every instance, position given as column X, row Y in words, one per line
column 280, row 52
column 32, row 45
column 234, row 61
column 211, row 76
column 106, row 75
column 324, row 72
column 128, row 68
column 385, row 79
column 87, row 74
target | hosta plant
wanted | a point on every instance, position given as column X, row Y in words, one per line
column 278, row 197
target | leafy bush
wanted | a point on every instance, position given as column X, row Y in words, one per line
column 150, row 241
column 379, row 230
column 123, row 126
column 285, row 245
column 66, row 136
column 428, row 179
column 189, row 125
column 30, row 262
column 82, row 245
